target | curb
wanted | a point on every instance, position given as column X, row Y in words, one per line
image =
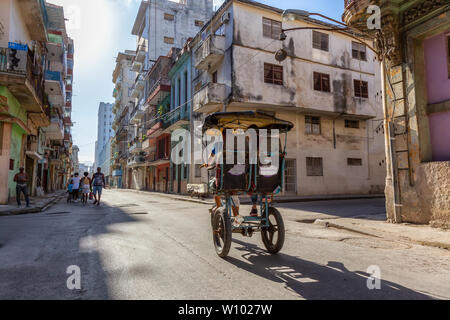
column 433, row 244
column 34, row 210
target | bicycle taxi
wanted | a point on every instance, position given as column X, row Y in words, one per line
column 252, row 178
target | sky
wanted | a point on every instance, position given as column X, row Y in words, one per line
column 102, row 28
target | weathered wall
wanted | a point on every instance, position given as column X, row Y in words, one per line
column 298, row 69
column 14, row 26
column 434, row 193
column 181, row 28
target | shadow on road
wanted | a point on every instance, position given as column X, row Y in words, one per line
column 37, row 250
column 317, row 282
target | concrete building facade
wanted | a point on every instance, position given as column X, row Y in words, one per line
column 123, row 78
column 328, row 86
column 36, row 59
column 160, row 26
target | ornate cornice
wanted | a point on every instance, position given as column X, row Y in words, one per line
column 421, row 9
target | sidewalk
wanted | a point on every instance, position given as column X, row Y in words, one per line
column 419, row 234
column 37, row 204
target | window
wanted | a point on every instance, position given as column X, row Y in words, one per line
column 312, row 125
column 320, row 41
column 314, row 167
column 271, row 28
column 273, row 74
column 214, row 77
column 354, row 124
column 358, row 51
column 321, row 82
column 361, row 88
column 169, row 40
column 199, row 23
column 354, row 162
column 169, row 17
column 290, row 174
column 11, row 164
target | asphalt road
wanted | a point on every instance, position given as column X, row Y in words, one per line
column 138, row 246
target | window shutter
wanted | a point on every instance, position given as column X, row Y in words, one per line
column 276, row 29
column 316, row 40
column 267, row 28
column 324, row 42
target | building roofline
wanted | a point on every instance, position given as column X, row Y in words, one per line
column 140, row 15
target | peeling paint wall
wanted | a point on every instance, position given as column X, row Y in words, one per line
column 299, row 67
column 297, row 98
column 180, row 28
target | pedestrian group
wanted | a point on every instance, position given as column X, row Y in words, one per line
column 90, row 188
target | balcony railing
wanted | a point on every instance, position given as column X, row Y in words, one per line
column 209, row 97
column 135, row 160
column 159, row 75
column 19, row 73
column 136, row 147
column 210, row 52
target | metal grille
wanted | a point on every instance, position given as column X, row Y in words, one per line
column 290, row 176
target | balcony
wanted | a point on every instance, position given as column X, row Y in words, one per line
column 119, row 96
column 355, row 12
column 141, row 51
column 53, row 83
column 210, row 52
column 67, row 137
column 210, row 98
column 23, row 78
column 55, row 131
column 54, row 86
column 55, row 47
column 159, row 82
column 68, row 122
column 137, row 116
column 136, row 147
column 119, row 83
column 135, row 161
column 137, row 88
column 137, row 66
column 176, row 119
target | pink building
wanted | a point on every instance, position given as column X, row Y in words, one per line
column 437, row 68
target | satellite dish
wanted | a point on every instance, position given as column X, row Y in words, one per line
column 281, row 55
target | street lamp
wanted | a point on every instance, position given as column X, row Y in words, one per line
column 294, row 14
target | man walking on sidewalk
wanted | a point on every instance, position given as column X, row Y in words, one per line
column 98, row 180
column 21, row 179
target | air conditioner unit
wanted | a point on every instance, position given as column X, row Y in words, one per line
column 225, row 17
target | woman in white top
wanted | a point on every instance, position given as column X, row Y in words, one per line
column 86, row 187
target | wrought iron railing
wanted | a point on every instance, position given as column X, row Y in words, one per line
column 17, row 62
